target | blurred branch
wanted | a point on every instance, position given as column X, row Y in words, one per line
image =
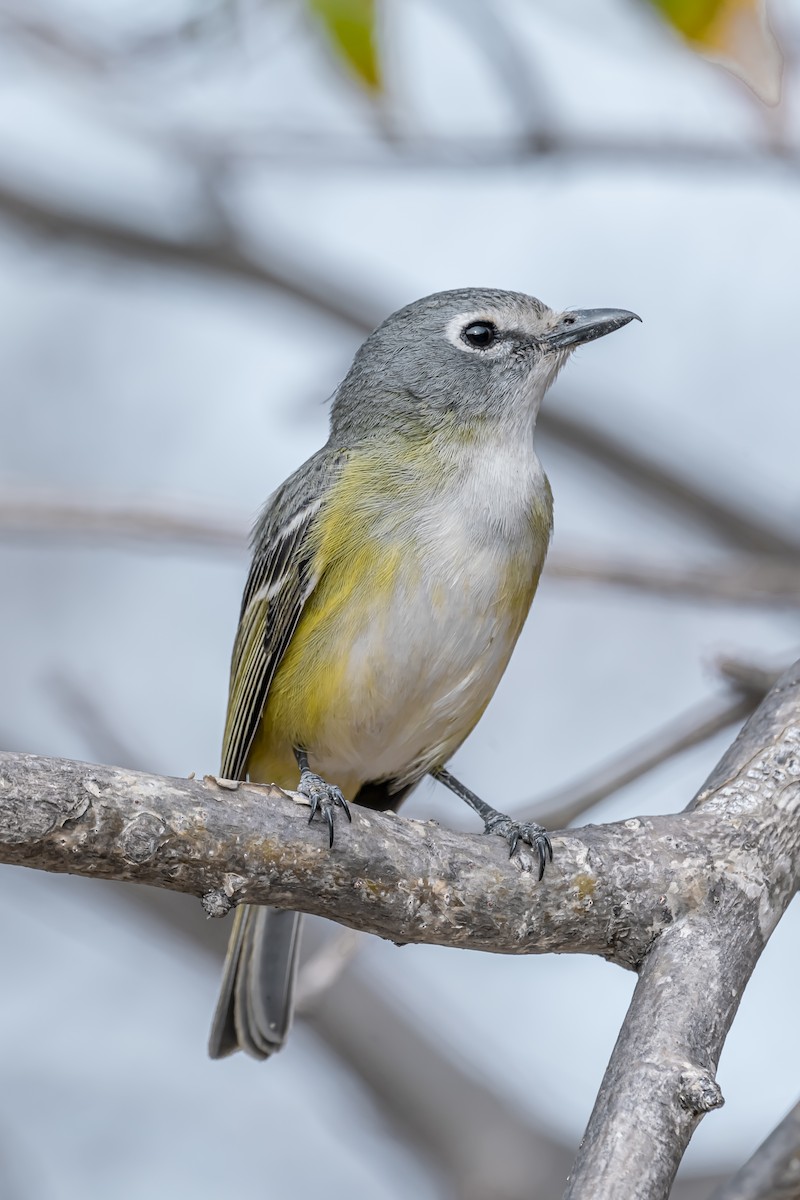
column 734, row 525
column 308, row 150
column 78, row 46
column 75, row 44
column 481, row 1141
column 320, row 971
column 224, row 252
column 745, row 580
column 217, row 254
column 56, row 40
column 692, row 728
column 89, row 719
column 513, row 66
column 773, row 1172
column 541, row 140
column 26, row 515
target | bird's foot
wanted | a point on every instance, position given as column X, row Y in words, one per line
column 533, row 835
column 324, row 798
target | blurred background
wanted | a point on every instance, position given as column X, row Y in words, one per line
column 204, row 206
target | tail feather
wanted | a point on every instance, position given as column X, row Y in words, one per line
column 254, row 1010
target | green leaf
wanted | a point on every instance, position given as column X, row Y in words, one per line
column 692, row 18
column 350, row 25
column 734, row 33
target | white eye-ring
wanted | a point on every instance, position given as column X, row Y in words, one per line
column 477, row 332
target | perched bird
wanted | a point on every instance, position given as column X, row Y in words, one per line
column 391, row 577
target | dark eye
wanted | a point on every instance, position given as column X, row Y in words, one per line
column 479, row 334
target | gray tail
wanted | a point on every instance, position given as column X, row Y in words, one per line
column 254, row 1010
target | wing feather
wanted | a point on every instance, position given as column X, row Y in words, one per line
column 278, row 585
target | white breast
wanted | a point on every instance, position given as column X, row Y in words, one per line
column 423, row 667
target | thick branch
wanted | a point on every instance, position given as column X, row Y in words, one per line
column 612, row 890
column 406, row 880
column 471, row 1133
column 660, row 1079
column 690, row 900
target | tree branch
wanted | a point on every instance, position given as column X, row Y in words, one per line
column 28, row 514
column 689, row 900
column 406, row 880
column 660, row 1080
column 212, row 254
column 449, row 1117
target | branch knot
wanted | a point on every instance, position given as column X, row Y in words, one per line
column 699, row 1092
column 216, row 903
column 142, row 837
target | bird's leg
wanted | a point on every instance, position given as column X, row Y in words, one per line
column 324, row 797
column 498, row 823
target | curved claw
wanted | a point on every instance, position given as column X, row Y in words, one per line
column 544, row 848
column 522, row 831
column 339, row 799
column 323, row 798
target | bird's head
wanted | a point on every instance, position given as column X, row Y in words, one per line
column 467, row 354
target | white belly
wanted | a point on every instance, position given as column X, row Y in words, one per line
column 416, row 680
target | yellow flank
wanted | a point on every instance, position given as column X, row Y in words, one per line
column 353, row 565
column 368, row 549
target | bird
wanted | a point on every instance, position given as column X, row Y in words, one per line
column 391, row 576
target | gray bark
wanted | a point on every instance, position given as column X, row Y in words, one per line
column 609, row 892
column 660, row 1080
column 687, row 900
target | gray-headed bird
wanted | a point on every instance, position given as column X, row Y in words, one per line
column 391, row 577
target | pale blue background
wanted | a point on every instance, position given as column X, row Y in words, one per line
column 146, row 385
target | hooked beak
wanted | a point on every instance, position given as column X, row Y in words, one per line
column 585, row 324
